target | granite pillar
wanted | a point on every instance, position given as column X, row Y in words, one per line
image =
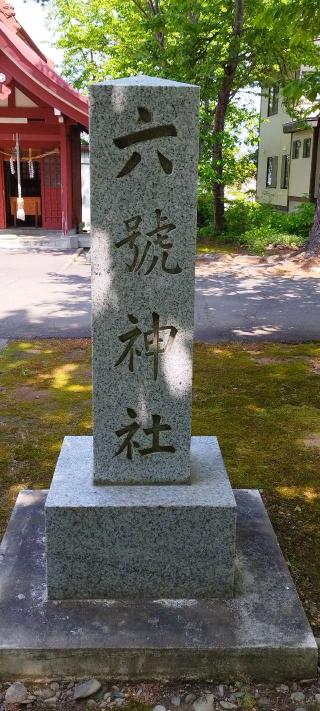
column 144, row 153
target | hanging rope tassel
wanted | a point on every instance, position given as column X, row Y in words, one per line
column 20, row 201
column 12, row 164
column 30, row 164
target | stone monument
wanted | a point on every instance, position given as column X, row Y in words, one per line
column 169, row 530
column 141, row 562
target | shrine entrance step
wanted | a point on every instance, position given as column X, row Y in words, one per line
column 38, row 239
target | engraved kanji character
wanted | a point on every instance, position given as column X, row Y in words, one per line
column 146, row 134
column 155, row 345
column 131, row 336
column 157, row 240
column 155, row 431
column 133, row 234
column 128, row 443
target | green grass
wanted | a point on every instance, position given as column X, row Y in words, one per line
column 261, row 400
column 210, row 246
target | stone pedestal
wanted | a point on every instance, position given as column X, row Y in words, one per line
column 261, row 633
column 140, row 542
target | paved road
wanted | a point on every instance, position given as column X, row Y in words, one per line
column 43, row 294
column 46, row 294
column 243, row 299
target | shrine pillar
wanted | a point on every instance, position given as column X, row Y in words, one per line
column 66, row 179
column 75, row 139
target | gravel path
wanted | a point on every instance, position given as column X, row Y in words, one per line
column 97, row 694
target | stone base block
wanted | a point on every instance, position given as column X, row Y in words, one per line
column 173, row 541
column 262, row 633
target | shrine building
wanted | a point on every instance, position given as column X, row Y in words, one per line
column 41, row 119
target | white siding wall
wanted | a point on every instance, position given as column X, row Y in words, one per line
column 317, row 177
column 85, row 188
column 300, row 169
column 273, row 142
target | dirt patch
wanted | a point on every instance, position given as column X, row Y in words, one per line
column 29, row 394
column 251, row 266
column 75, row 355
column 312, row 440
column 315, row 365
column 271, row 361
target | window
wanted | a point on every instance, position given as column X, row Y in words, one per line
column 272, row 171
column 273, row 100
column 284, row 172
column 306, row 148
column 296, row 149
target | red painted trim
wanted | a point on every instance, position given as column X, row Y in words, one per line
column 3, row 217
column 12, row 95
column 39, row 78
column 26, row 38
column 47, row 143
column 31, row 129
column 27, row 112
column 8, row 17
column 7, row 65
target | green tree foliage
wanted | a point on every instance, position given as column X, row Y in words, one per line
column 222, row 45
column 302, row 97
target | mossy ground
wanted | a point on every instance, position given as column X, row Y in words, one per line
column 211, row 246
column 261, row 400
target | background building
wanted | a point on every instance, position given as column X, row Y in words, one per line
column 44, row 116
column 289, row 155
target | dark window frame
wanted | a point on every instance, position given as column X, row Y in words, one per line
column 272, row 172
column 273, row 101
column 295, row 153
column 306, row 152
column 284, row 180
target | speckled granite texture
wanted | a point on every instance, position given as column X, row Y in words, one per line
column 262, row 633
column 144, row 153
column 140, row 541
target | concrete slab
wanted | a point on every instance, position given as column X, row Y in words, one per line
column 140, row 541
column 262, row 633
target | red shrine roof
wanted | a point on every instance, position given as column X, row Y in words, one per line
column 8, row 17
column 22, row 60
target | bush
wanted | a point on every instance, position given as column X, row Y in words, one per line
column 242, row 216
column 255, row 226
column 300, row 221
column 257, row 239
column 205, row 232
column 204, row 210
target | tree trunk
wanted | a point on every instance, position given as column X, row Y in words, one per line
column 224, row 98
column 312, row 245
column 217, row 157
